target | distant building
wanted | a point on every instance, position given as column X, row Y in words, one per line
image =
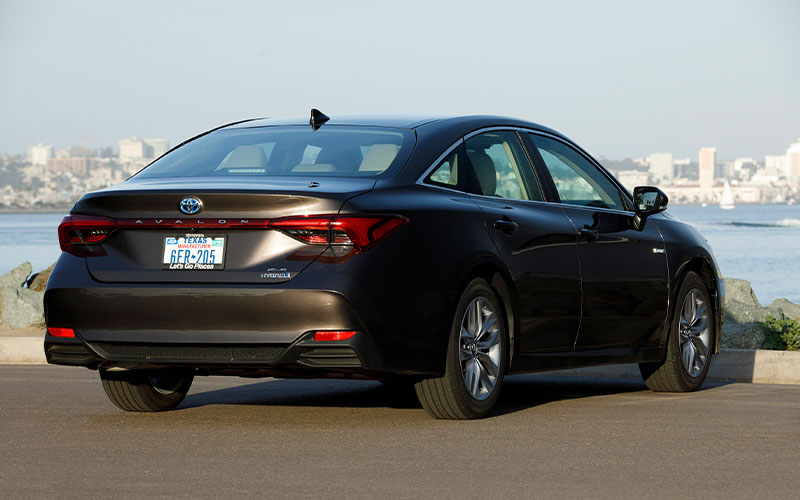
column 38, row 155
column 708, row 158
column 793, row 162
column 775, row 163
column 132, row 149
column 662, row 167
column 632, row 178
column 135, row 149
column 76, row 165
column 155, row 147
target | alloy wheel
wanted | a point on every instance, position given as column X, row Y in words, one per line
column 480, row 348
column 695, row 334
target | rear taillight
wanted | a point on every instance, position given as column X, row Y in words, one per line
column 61, row 332
column 333, row 335
column 361, row 231
column 77, row 231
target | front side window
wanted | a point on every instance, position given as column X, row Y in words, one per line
column 577, row 180
column 335, row 151
column 501, row 168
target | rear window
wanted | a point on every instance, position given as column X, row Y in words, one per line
column 337, row 151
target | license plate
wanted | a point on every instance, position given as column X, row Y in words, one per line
column 194, row 252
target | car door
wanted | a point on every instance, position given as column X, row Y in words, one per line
column 623, row 270
column 536, row 240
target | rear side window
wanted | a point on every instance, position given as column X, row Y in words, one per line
column 336, row 151
column 577, row 180
column 501, row 168
column 446, row 173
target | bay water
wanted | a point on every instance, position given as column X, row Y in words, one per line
column 760, row 243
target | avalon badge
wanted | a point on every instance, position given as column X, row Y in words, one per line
column 190, row 206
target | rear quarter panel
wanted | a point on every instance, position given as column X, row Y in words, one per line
column 406, row 286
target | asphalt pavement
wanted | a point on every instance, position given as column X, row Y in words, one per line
column 550, row 438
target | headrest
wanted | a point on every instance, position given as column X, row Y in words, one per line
column 484, row 171
column 378, row 157
column 249, row 159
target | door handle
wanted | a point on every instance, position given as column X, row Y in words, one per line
column 588, row 234
column 506, row 225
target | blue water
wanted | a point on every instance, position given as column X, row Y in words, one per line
column 31, row 237
column 760, row 243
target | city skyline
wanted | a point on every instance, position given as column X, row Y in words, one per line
column 46, row 177
column 622, row 78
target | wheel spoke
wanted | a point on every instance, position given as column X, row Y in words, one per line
column 468, row 373
column 485, row 379
column 476, row 378
column 700, row 348
column 490, row 321
column 471, row 321
column 489, row 341
column 700, row 326
column 488, row 364
column 688, row 357
column 478, row 318
column 701, row 311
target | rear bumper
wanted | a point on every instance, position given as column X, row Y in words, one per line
column 305, row 356
column 403, row 329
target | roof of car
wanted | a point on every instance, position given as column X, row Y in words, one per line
column 400, row 121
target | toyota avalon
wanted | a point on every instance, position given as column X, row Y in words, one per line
column 439, row 253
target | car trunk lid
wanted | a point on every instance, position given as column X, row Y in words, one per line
column 234, row 216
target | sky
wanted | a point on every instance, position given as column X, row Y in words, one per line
column 621, row 78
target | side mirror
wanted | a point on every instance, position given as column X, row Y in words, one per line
column 647, row 200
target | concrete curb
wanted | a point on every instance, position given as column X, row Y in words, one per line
column 22, row 351
column 737, row 365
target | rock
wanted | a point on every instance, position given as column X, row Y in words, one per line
column 743, row 336
column 17, row 276
column 20, row 307
column 737, row 290
column 789, row 309
column 38, row 281
column 738, row 312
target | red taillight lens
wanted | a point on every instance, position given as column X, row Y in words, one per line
column 361, row 231
column 311, row 230
column 76, row 231
column 61, row 332
column 333, row 335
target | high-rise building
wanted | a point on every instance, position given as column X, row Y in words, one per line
column 38, row 155
column 775, row 163
column 793, row 161
column 708, row 158
column 132, row 149
column 155, row 147
column 76, row 165
column 662, row 167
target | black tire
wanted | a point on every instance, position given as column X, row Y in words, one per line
column 146, row 390
column 671, row 375
column 447, row 397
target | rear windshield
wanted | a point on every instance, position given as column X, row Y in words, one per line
column 337, row 151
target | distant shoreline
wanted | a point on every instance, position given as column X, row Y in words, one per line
column 66, row 209
column 18, row 211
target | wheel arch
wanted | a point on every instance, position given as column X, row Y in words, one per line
column 496, row 275
column 702, row 266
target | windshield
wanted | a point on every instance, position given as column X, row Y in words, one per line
column 338, row 151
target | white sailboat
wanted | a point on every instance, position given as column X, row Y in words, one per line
column 726, row 201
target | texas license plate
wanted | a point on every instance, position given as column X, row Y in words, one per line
column 194, row 252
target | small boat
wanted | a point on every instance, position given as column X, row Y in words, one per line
column 726, row 201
